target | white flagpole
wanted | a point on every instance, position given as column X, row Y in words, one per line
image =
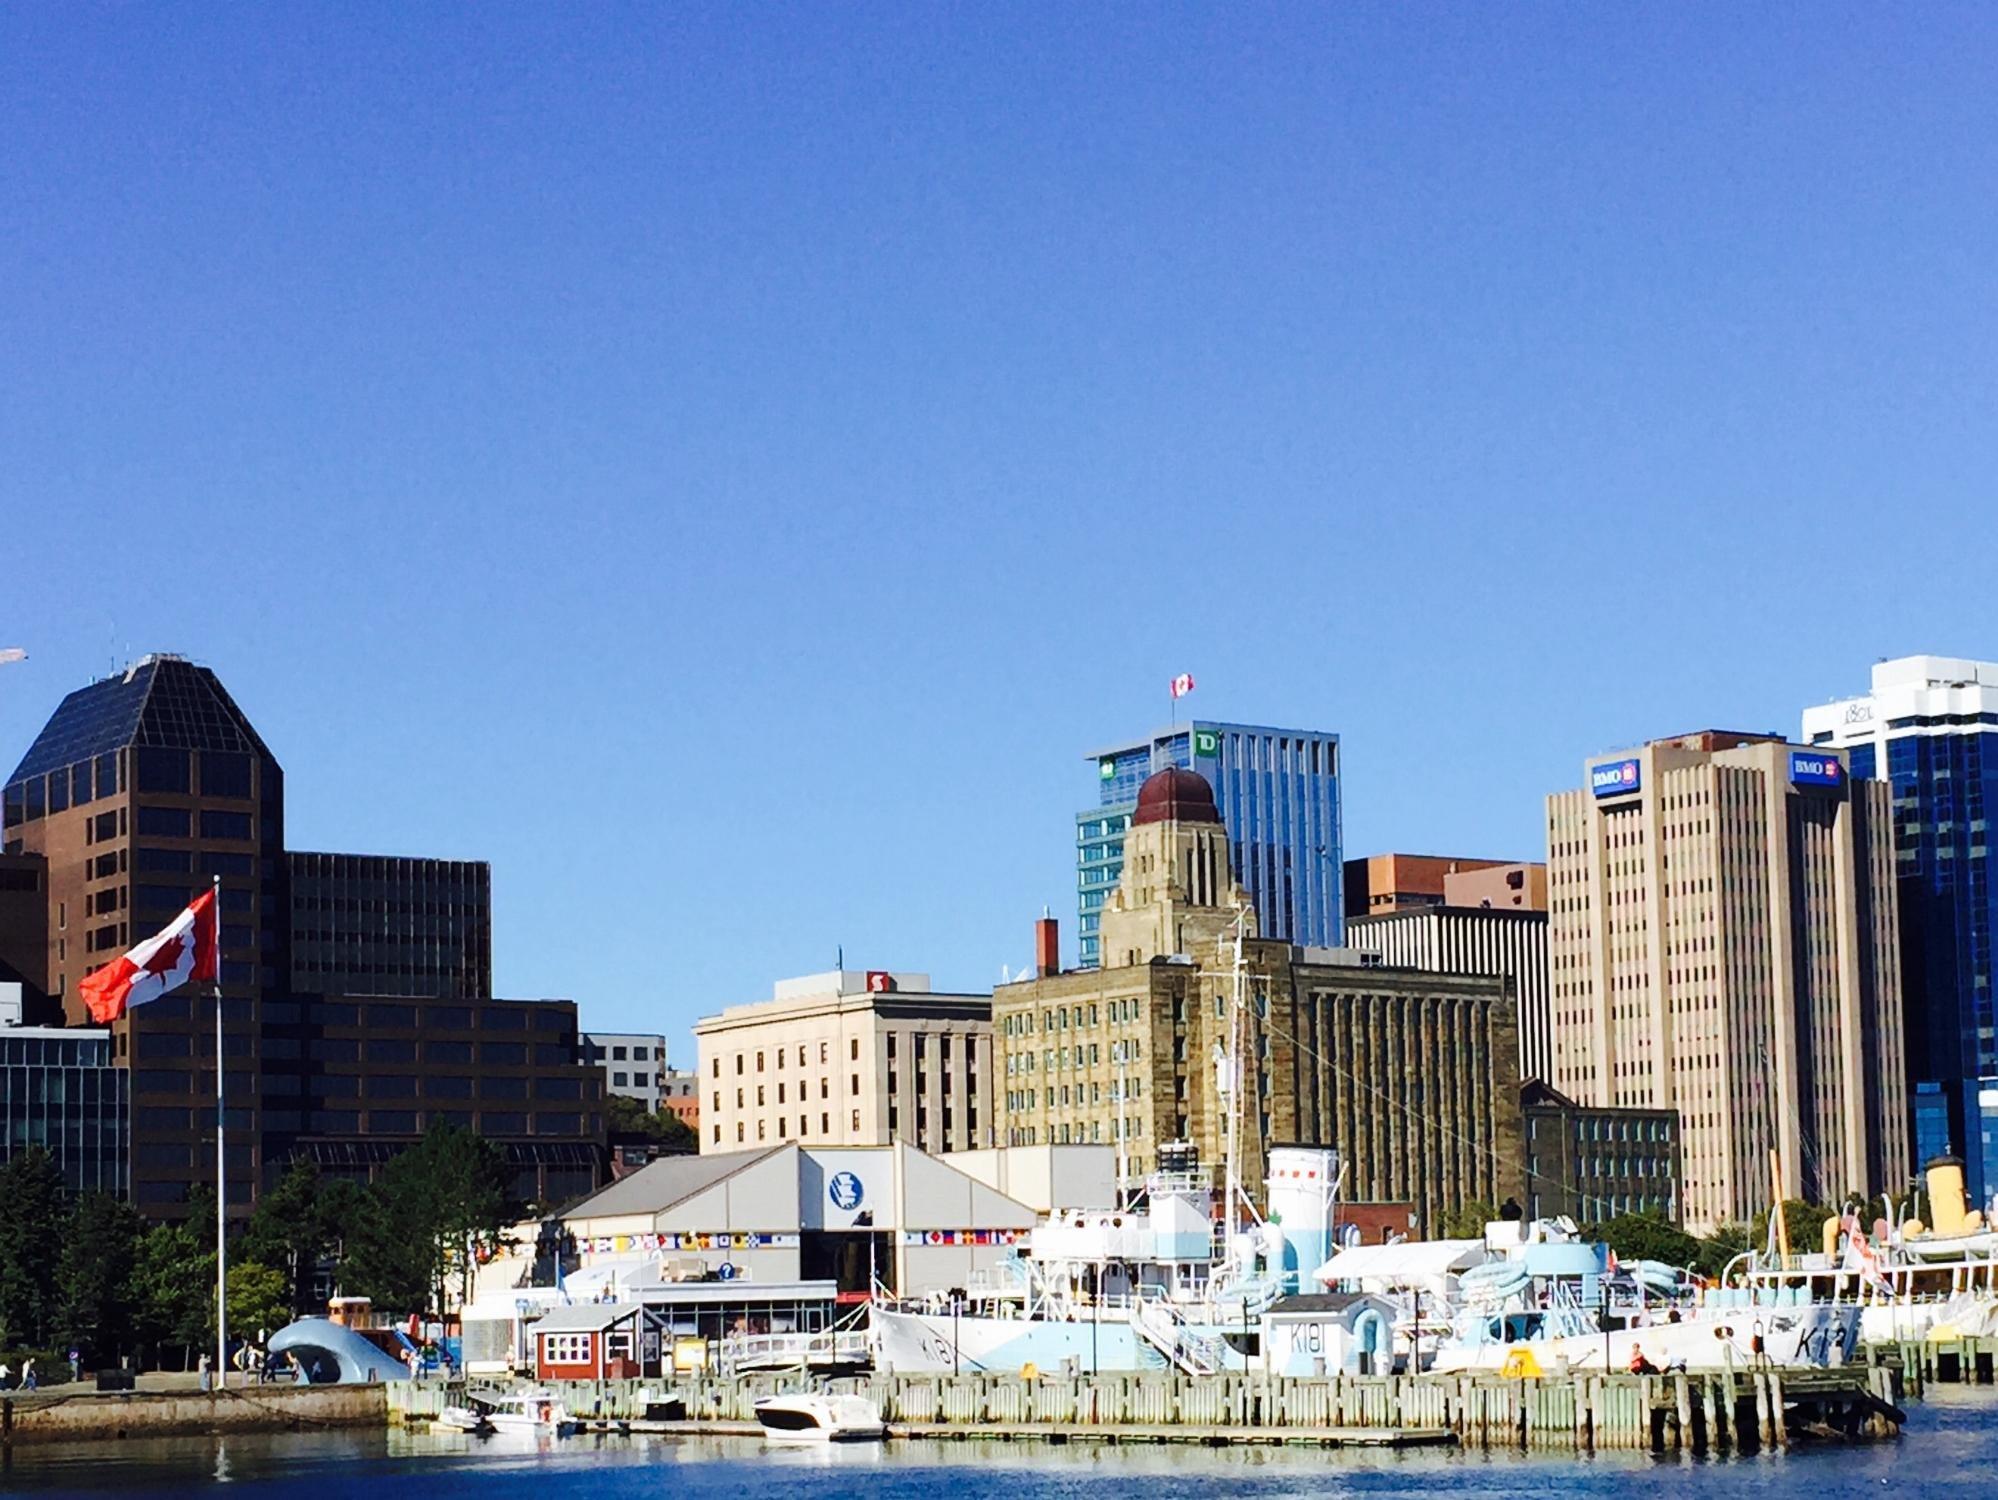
column 221, row 1167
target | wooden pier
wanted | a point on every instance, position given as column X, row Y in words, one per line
column 1736, row 1411
column 1951, row 1361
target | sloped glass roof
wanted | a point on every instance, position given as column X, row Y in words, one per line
column 163, row 701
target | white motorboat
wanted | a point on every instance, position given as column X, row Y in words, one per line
column 535, row 1410
column 462, row 1419
column 816, row 1418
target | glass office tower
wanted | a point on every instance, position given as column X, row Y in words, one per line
column 60, row 1089
column 1278, row 792
column 1929, row 728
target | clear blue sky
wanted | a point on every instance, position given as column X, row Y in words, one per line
column 736, row 459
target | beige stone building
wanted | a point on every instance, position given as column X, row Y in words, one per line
column 1413, row 1077
column 849, row 1058
column 1722, row 941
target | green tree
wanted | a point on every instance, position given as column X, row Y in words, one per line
column 1468, row 1222
column 95, row 1276
column 422, row 1226
column 1647, row 1236
column 1717, row 1249
column 628, row 1120
column 302, row 1219
column 34, row 1214
column 1804, row 1221
column 173, row 1281
column 259, row 1300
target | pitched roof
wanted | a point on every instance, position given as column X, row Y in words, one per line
column 162, row 700
column 655, row 1188
column 583, row 1317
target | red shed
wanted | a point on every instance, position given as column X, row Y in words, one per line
column 590, row 1341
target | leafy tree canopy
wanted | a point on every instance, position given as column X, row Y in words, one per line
column 627, row 1119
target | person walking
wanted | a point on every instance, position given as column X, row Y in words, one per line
column 75, row 1365
column 28, row 1379
column 207, row 1368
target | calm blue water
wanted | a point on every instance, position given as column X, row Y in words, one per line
column 1950, row 1448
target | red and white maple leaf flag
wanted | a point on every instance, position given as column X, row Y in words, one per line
column 1182, row 685
column 182, row 952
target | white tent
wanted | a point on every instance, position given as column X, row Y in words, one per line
column 1413, row 1263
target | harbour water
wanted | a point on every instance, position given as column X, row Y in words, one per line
column 1950, row 1448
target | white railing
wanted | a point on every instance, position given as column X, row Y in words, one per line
column 774, row 1351
column 1160, row 1326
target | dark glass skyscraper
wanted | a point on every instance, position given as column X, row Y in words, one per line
column 144, row 788
column 1930, row 729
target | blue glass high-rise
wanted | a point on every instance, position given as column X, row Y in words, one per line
column 1930, row 729
column 1278, row 791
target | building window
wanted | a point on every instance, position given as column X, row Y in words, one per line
column 856, row 1119
column 856, row 1049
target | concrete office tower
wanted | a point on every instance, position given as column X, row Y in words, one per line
column 1473, row 940
column 634, row 1065
column 1277, row 791
column 1722, row 942
column 1929, row 729
column 848, row 1058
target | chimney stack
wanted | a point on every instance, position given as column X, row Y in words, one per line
column 1047, row 947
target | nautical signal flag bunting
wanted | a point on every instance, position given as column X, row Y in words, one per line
column 182, row 952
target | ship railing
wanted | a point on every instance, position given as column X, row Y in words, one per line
column 776, row 1351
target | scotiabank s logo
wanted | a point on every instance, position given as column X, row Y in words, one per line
column 879, row 982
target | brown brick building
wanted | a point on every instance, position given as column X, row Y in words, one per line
column 144, row 788
column 1412, row 1077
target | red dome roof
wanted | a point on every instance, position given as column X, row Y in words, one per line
column 1176, row 796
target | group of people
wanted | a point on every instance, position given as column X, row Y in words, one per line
column 27, row 1380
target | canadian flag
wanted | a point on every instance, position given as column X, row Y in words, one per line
column 1182, row 685
column 180, row 953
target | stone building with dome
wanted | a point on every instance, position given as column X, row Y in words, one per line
column 1413, row 1077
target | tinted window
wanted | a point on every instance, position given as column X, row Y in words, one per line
column 224, row 825
column 164, row 822
column 161, row 770
column 58, row 791
column 107, row 773
column 165, row 861
column 225, row 773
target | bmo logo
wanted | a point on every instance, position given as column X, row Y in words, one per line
column 1616, row 778
column 1815, row 770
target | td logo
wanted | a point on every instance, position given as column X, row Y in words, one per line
column 1206, row 742
column 845, row 1191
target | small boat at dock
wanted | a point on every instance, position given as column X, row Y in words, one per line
column 812, row 1417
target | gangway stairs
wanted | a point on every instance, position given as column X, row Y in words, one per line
column 1160, row 1325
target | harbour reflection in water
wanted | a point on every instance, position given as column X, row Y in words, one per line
column 1951, row 1448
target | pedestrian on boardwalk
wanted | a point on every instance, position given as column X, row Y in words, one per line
column 28, row 1380
column 75, row 1365
column 207, row 1368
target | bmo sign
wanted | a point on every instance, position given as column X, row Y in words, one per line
column 1808, row 769
column 1616, row 778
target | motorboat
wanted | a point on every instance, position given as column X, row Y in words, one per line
column 462, row 1419
column 534, row 1410
column 813, row 1417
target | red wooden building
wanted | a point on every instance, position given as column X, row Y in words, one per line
column 595, row 1341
